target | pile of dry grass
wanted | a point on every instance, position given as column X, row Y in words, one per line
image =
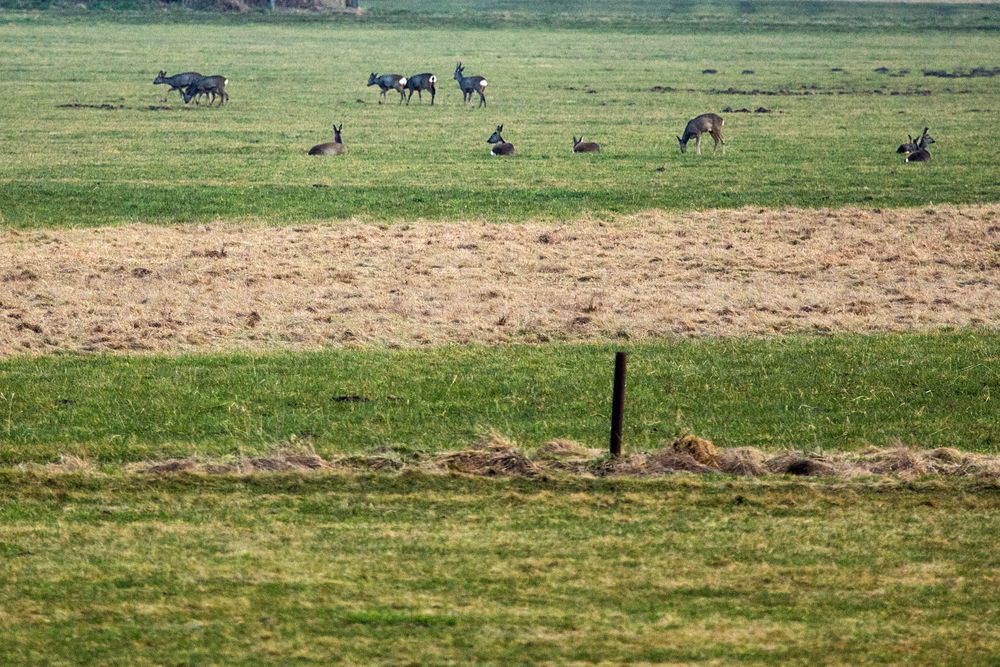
column 495, row 456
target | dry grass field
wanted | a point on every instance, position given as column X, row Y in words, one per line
column 715, row 273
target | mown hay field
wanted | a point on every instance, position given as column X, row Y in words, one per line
column 258, row 407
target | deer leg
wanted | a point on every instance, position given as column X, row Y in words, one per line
column 482, row 99
column 697, row 144
column 433, row 93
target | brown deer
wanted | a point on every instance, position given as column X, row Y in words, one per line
column 581, row 146
column 335, row 147
column 207, row 85
column 500, row 147
column 707, row 122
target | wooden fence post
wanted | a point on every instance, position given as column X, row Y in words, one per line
column 618, row 404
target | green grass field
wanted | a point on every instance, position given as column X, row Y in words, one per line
column 418, row 570
column 830, row 139
column 813, row 393
column 101, row 564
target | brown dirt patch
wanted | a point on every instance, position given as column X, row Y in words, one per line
column 716, row 273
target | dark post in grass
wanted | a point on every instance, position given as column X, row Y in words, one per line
column 618, row 404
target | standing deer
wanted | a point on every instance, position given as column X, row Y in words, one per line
column 335, row 147
column 176, row 82
column 470, row 84
column 500, row 147
column 387, row 82
column 208, row 85
column 707, row 122
column 420, row 82
column 581, row 146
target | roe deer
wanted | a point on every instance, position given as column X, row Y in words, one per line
column 581, row 146
column 335, row 147
column 214, row 85
column 916, row 151
column 470, row 84
column 420, row 82
column 176, row 82
column 707, row 122
column 909, row 147
column 387, row 82
column 500, row 147
column 925, row 139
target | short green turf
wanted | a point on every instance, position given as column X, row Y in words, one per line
column 86, row 139
column 814, row 393
column 313, row 569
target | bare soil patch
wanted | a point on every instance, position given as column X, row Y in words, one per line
column 715, row 273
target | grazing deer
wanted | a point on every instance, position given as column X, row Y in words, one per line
column 500, row 147
column 707, row 122
column 335, row 147
column 581, row 146
column 208, row 85
column 387, row 82
column 470, row 84
column 176, row 82
column 420, row 82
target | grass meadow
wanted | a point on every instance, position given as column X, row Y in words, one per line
column 839, row 393
column 104, row 562
column 87, row 140
column 282, row 569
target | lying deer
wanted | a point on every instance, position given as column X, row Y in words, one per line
column 916, row 151
column 500, row 147
column 176, row 82
column 707, row 122
column 912, row 146
column 420, row 82
column 581, row 146
column 909, row 147
column 470, row 84
column 208, row 85
column 335, row 147
column 387, row 82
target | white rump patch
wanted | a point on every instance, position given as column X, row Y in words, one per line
column 483, row 84
column 402, row 80
column 434, row 79
column 225, row 82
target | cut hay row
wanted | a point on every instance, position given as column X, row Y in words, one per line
column 717, row 273
column 495, row 456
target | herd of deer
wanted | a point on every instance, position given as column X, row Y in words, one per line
column 193, row 85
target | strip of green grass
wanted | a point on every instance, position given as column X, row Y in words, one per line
column 435, row 570
column 840, row 392
column 829, row 140
column 625, row 15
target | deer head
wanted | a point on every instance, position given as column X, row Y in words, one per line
column 495, row 138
